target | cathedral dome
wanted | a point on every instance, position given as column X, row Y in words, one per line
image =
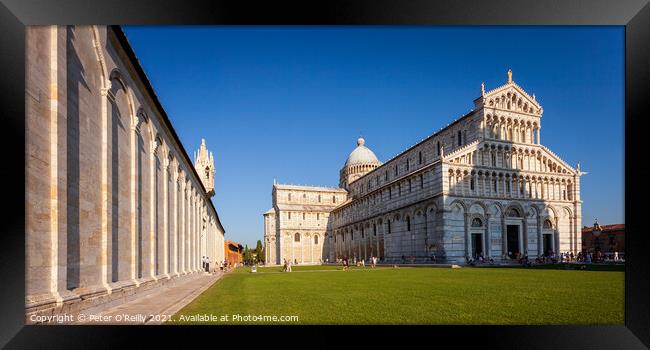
column 362, row 155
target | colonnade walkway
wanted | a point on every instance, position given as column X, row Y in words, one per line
column 152, row 308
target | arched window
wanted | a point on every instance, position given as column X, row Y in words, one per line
column 374, row 229
column 316, row 239
column 438, row 147
column 408, row 223
column 420, row 157
column 386, row 176
column 388, row 223
column 296, row 237
column 476, row 222
column 408, row 164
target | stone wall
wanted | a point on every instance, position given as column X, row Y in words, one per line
column 113, row 203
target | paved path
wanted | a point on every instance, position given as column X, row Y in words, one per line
column 155, row 307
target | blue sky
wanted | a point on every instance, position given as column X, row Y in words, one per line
column 289, row 102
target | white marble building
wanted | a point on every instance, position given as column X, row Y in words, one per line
column 483, row 185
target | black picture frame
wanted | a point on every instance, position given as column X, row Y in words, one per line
column 633, row 14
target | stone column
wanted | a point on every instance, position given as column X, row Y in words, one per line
column 504, row 236
column 135, row 213
column 175, row 251
column 540, row 242
column 488, row 249
column 539, row 141
column 165, row 168
column 153, row 243
column 468, row 237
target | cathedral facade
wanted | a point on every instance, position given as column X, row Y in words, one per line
column 114, row 205
column 482, row 186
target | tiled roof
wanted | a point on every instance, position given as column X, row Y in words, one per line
column 605, row 228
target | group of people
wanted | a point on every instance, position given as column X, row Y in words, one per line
column 345, row 261
column 224, row 266
column 287, row 265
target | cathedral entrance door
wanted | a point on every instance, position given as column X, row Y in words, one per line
column 548, row 243
column 513, row 240
column 477, row 245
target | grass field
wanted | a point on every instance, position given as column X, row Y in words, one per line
column 328, row 295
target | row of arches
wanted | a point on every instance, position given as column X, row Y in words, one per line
column 463, row 181
column 513, row 102
column 511, row 129
column 510, row 157
column 114, row 211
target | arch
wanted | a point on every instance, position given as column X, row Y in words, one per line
column 460, row 203
column 518, row 210
column 99, row 54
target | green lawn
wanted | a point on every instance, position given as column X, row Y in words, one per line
column 328, row 295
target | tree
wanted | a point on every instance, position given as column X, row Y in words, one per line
column 260, row 252
column 247, row 255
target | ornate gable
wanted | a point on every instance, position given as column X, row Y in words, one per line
column 510, row 97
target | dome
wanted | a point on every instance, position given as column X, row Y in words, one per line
column 362, row 155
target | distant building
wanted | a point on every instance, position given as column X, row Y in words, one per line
column 234, row 251
column 605, row 238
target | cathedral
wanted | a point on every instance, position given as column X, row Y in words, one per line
column 482, row 186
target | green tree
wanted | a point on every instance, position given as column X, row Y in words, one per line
column 247, row 255
column 260, row 252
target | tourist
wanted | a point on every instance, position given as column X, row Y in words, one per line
column 615, row 256
column 289, row 266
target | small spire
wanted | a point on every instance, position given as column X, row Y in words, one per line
column 578, row 167
column 483, row 89
column 509, row 75
column 203, row 141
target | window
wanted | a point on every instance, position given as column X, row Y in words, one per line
column 333, row 199
column 494, row 182
column 363, row 234
column 316, row 239
column 374, row 229
column 422, row 181
column 289, row 214
column 471, row 184
column 388, row 223
column 409, row 185
column 390, row 193
column 289, row 196
column 304, row 195
column 317, row 216
column 494, row 159
column 296, row 237
column 420, row 158
column 319, row 198
column 408, row 164
column 303, row 216
column 395, row 170
column 386, row 176
column 408, row 223
column 459, row 138
column 438, row 147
